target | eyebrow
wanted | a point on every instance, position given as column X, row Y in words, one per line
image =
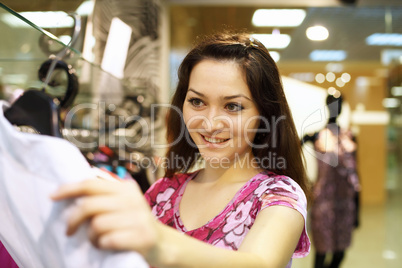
column 225, row 98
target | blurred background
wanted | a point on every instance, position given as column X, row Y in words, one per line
column 321, row 46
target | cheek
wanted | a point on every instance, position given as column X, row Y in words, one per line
column 249, row 128
column 186, row 113
column 254, row 123
column 188, row 118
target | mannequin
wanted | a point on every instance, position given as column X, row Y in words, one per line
column 334, row 208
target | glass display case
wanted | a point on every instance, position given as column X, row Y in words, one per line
column 26, row 47
column 99, row 113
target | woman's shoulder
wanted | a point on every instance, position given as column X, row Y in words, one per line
column 281, row 190
column 272, row 184
column 272, row 180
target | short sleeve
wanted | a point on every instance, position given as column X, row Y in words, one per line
column 284, row 191
column 151, row 193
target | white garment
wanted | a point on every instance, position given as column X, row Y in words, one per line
column 32, row 226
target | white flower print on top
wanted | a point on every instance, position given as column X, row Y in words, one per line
column 163, row 203
column 237, row 222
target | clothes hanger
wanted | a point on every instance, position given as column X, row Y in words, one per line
column 38, row 110
column 56, row 62
column 53, row 64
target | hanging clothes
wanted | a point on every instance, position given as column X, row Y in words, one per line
column 33, row 226
column 333, row 213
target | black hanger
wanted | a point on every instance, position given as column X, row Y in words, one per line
column 48, row 67
column 37, row 110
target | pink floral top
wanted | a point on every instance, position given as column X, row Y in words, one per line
column 229, row 228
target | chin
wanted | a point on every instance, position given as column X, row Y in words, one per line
column 215, row 157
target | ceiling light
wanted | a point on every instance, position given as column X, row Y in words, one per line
column 49, row 19
column 320, row 78
column 337, row 94
column 328, row 55
column 384, row 39
column 331, row 90
column 317, row 33
column 396, row 91
column 306, row 77
column 273, row 40
column 391, row 103
column 330, row 77
column 275, row 55
column 334, row 67
column 339, row 82
column 86, row 8
column 345, row 77
column 391, row 55
column 278, row 17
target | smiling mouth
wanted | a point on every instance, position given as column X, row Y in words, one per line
column 214, row 140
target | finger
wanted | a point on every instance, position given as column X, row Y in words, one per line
column 87, row 187
column 108, row 222
column 128, row 239
column 136, row 219
column 90, row 206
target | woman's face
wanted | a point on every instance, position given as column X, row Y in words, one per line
column 219, row 112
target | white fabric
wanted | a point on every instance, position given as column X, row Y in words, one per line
column 32, row 226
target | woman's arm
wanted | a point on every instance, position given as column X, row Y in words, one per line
column 120, row 219
column 270, row 243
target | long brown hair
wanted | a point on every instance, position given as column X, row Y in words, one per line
column 264, row 82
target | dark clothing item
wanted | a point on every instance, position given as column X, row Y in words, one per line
column 333, row 213
column 337, row 257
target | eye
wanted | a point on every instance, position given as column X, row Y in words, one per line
column 234, row 107
column 196, row 102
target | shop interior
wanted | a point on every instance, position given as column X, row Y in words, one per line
column 112, row 79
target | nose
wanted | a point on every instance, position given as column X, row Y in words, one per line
column 214, row 122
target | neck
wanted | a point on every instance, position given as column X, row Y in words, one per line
column 241, row 169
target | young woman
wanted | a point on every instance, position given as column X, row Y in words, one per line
column 246, row 205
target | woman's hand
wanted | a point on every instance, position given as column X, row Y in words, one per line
column 119, row 217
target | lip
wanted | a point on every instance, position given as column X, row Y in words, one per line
column 214, row 141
